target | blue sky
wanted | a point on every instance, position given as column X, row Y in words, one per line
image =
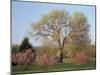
column 26, row 13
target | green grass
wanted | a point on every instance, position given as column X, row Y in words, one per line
column 66, row 66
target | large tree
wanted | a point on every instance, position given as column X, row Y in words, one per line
column 57, row 25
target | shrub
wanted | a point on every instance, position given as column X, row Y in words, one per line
column 82, row 57
column 42, row 60
column 24, row 54
column 14, row 59
column 46, row 60
column 23, row 58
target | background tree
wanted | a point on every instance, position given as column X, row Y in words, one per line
column 25, row 44
column 79, row 31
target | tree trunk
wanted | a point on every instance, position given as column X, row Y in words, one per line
column 61, row 56
column 61, row 50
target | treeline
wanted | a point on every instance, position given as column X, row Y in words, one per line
column 48, row 54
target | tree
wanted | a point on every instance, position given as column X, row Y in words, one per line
column 25, row 44
column 15, row 47
column 58, row 27
column 53, row 26
column 79, row 30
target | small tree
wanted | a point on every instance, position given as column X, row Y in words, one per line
column 25, row 44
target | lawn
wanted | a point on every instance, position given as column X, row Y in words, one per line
column 66, row 66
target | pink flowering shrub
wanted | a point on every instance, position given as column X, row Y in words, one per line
column 46, row 60
column 23, row 58
column 82, row 58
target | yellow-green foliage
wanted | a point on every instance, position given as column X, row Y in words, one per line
column 91, row 49
column 50, row 50
column 69, row 50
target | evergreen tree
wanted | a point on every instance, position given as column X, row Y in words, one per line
column 25, row 44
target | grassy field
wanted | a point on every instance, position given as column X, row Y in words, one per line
column 66, row 66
